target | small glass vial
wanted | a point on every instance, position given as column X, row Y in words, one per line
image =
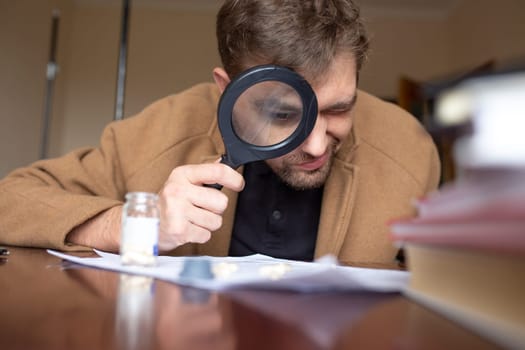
column 140, row 229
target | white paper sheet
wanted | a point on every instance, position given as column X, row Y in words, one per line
column 259, row 272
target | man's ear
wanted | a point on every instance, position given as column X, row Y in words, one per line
column 221, row 78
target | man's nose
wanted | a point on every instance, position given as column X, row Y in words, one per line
column 317, row 142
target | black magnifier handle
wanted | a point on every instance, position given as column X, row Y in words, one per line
column 224, row 160
column 216, row 186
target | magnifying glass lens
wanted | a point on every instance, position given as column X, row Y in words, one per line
column 267, row 113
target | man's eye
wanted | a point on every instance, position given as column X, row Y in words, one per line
column 338, row 111
column 281, row 115
column 284, row 115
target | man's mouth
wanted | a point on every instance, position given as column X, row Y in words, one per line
column 315, row 163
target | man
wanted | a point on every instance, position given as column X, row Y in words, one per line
column 361, row 166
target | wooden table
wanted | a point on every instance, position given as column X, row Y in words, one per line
column 46, row 303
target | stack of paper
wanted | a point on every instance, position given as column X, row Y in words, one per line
column 258, row 271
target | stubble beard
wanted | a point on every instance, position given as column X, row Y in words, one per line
column 304, row 179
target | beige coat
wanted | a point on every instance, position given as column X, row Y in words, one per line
column 387, row 161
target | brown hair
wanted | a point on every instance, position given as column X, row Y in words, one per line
column 304, row 35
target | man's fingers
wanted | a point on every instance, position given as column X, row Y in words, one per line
column 210, row 174
column 190, row 211
column 182, row 198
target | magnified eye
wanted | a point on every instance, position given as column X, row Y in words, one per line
column 281, row 115
column 284, row 116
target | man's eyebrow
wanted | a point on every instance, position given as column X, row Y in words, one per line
column 345, row 105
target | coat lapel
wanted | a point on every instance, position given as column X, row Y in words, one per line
column 337, row 206
column 338, row 199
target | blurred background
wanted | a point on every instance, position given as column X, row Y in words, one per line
column 62, row 56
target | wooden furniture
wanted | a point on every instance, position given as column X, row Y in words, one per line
column 417, row 97
column 46, row 303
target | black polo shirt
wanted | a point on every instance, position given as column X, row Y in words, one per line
column 274, row 219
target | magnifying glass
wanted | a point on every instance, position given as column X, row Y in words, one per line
column 266, row 112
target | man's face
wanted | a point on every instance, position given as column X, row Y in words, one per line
column 308, row 166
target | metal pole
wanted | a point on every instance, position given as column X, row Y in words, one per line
column 51, row 72
column 122, row 60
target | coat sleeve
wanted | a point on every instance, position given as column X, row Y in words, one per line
column 40, row 204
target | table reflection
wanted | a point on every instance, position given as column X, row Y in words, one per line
column 135, row 312
column 155, row 314
column 50, row 304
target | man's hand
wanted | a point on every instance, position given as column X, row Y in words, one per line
column 189, row 211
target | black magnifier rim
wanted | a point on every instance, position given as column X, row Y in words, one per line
column 240, row 152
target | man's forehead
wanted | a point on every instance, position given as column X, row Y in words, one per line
column 336, row 95
column 335, row 86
